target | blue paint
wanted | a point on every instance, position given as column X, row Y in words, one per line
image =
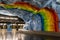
column 34, row 23
column 42, row 22
column 9, row 29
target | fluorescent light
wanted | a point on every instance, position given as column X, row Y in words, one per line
column 5, row 12
column 9, row 18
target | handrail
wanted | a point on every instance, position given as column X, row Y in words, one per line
column 40, row 33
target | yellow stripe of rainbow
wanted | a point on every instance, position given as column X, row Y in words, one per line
column 48, row 20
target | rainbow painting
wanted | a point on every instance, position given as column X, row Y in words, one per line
column 49, row 17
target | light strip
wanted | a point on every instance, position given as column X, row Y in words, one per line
column 9, row 18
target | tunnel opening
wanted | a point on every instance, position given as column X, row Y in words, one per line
column 11, row 22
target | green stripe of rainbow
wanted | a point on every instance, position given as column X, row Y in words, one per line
column 49, row 18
